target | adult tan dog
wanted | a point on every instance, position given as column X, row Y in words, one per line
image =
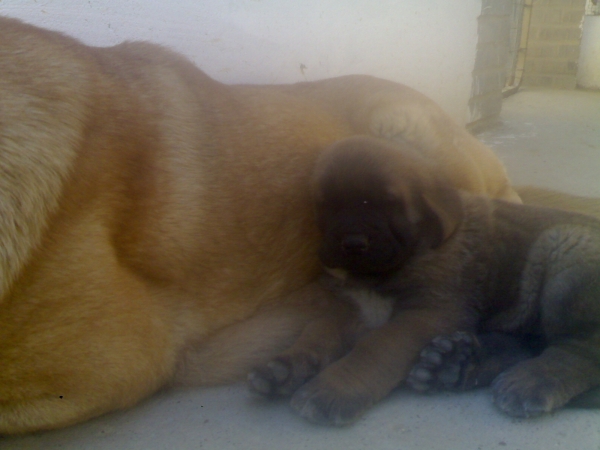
column 156, row 226
column 419, row 258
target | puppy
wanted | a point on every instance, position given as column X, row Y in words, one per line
column 418, row 258
column 463, row 360
column 156, row 226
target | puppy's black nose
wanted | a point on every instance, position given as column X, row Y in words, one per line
column 355, row 243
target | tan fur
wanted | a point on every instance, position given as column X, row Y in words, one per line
column 533, row 195
column 156, row 226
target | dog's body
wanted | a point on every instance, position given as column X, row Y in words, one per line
column 156, row 226
column 420, row 259
column 548, row 198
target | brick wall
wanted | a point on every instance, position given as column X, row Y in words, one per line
column 489, row 74
column 553, row 46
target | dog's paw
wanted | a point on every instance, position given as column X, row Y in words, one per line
column 403, row 121
column 521, row 393
column 444, row 363
column 324, row 404
column 283, row 375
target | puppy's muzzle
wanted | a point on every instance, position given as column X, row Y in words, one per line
column 355, row 244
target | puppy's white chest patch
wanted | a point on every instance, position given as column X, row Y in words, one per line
column 375, row 310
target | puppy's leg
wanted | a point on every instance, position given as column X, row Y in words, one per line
column 568, row 368
column 462, row 360
column 548, row 382
column 569, row 315
column 324, row 340
column 378, row 363
column 233, row 352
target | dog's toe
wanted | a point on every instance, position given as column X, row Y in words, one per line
column 443, row 363
column 520, row 395
column 325, row 405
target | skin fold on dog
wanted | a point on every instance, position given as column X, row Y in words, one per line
column 417, row 259
column 157, row 227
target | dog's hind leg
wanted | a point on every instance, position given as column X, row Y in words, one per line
column 569, row 320
column 81, row 336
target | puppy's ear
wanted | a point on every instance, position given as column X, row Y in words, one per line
column 443, row 214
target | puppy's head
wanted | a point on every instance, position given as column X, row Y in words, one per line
column 378, row 203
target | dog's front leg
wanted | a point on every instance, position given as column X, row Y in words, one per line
column 377, row 364
column 324, row 340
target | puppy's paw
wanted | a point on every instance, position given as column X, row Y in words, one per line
column 410, row 122
column 444, row 363
column 520, row 392
column 322, row 403
column 283, row 375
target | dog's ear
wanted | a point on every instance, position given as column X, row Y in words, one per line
column 443, row 214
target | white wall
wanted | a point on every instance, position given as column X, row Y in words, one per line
column 427, row 44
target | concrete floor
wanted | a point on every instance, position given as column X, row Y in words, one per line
column 551, row 139
column 548, row 138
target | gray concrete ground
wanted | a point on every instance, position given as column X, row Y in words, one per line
column 548, row 138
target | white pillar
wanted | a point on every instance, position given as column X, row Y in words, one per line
column 588, row 73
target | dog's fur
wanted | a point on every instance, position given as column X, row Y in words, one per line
column 156, row 226
column 466, row 360
column 548, row 198
column 418, row 258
